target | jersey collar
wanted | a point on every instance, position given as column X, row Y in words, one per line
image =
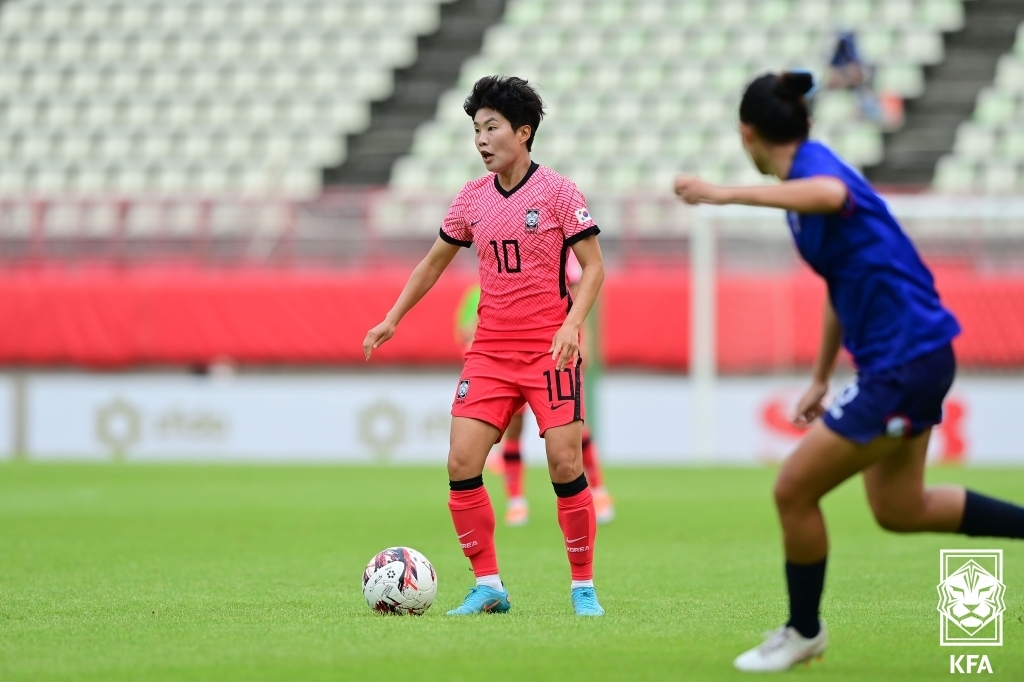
column 526, row 178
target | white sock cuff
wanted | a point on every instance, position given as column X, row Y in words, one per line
column 582, row 583
column 492, row 581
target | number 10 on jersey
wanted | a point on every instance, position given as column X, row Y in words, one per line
column 506, row 253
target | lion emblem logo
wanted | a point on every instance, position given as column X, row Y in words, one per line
column 970, row 598
column 532, row 219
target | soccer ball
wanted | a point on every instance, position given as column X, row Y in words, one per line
column 399, row 580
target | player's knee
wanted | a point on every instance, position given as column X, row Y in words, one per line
column 786, row 493
column 461, row 466
column 564, row 467
column 563, row 471
column 891, row 517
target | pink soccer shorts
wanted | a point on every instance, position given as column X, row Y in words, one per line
column 495, row 384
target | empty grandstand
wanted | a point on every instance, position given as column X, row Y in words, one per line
column 989, row 148
column 177, row 98
column 639, row 91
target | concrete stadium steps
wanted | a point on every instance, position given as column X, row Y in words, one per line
column 417, row 89
column 951, row 90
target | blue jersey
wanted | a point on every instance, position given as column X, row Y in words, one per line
column 883, row 294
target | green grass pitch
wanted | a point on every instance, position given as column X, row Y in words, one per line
column 155, row 572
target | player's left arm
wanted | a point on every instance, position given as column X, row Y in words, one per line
column 816, row 195
column 565, row 346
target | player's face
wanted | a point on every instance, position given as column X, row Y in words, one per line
column 755, row 147
column 499, row 146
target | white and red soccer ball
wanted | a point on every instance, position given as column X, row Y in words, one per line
column 399, row 580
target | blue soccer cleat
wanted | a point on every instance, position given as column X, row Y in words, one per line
column 584, row 601
column 483, row 599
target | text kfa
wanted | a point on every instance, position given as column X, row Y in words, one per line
column 971, row 662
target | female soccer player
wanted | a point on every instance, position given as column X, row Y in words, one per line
column 510, row 466
column 883, row 307
column 524, row 219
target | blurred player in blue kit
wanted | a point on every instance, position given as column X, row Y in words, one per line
column 883, row 307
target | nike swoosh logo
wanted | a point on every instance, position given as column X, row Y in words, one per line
column 555, row 407
column 582, row 537
column 466, row 533
column 473, row 223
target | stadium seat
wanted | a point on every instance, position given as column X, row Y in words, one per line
column 954, row 174
column 13, row 180
column 974, row 141
column 1011, row 144
column 994, row 138
column 943, row 15
column 999, row 176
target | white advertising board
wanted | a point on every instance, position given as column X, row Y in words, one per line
column 404, row 418
column 6, row 417
column 359, row 418
column 647, row 419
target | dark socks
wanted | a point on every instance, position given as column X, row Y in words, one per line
column 984, row 516
column 806, row 583
column 571, row 488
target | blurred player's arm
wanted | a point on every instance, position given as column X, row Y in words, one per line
column 565, row 347
column 817, row 195
column 420, row 282
column 811, row 405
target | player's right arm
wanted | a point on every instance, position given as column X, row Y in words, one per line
column 811, row 405
column 423, row 278
column 815, row 195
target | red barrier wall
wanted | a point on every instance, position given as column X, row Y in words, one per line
column 117, row 318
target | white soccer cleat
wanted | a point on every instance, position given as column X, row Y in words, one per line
column 783, row 649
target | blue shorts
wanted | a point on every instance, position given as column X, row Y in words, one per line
column 899, row 402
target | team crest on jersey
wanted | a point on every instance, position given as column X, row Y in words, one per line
column 532, row 219
column 463, row 389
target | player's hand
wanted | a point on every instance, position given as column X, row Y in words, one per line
column 565, row 346
column 811, row 405
column 693, row 191
column 376, row 336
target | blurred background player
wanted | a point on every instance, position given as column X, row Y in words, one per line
column 510, row 465
column 847, row 70
column 523, row 218
column 883, row 307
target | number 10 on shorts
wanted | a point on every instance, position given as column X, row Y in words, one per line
column 556, row 383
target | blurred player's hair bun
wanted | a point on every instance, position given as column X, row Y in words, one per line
column 512, row 97
column 795, row 84
column 776, row 107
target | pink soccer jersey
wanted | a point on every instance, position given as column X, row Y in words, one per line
column 522, row 239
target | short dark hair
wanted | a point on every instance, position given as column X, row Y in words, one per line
column 512, row 97
column 775, row 106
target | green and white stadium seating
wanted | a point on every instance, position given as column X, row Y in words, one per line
column 172, row 97
column 641, row 90
column 989, row 149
